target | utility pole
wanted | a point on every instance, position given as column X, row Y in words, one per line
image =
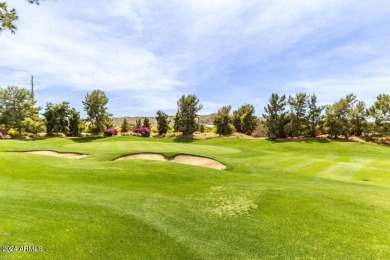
column 32, row 85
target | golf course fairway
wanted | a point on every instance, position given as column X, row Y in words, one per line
column 275, row 200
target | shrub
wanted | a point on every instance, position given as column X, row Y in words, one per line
column 144, row 131
column 1, row 135
column 12, row 132
column 154, row 129
column 110, row 132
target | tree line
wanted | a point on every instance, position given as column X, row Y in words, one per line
column 300, row 115
column 292, row 116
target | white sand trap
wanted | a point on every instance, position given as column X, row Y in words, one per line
column 144, row 156
column 184, row 159
column 62, row 155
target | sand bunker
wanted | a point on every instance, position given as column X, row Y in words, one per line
column 56, row 154
column 185, row 159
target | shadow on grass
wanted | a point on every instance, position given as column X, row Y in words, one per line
column 307, row 140
column 85, row 139
column 184, row 139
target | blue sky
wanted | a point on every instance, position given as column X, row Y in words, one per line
column 145, row 54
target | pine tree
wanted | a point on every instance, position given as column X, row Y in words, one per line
column 162, row 122
column 223, row 121
column 275, row 116
column 125, row 127
column 188, row 107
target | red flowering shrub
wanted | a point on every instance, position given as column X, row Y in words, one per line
column 110, row 132
column 143, row 131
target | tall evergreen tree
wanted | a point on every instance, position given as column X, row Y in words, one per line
column 275, row 116
column 125, row 127
column 146, row 123
column 162, row 122
column 298, row 109
column 138, row 123
column 188, row 107
column 313, row 116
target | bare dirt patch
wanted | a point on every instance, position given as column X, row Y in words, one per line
column 56, row 154
column 184, row 159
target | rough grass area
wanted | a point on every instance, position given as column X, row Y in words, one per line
column 309, row 199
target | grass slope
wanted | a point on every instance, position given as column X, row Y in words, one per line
column 276, row 200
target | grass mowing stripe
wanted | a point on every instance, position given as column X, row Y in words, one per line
column 274, row 201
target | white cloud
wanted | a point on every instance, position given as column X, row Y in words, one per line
column 230, row 52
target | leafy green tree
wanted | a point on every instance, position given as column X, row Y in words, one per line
column 162, row 122
column 314, row 118
column 125, row 127
column 146, row 123
column 276, row 116
column 75, row 124
column 95, row 106
column 359, row 118
column 188, row 107
column 16, row 104
column 223, row 121
column 298, row 109
column 380, row 112
column 8, row 17
column 338, row 117
column 57, row 118
column 244, row 119
column 33, row 125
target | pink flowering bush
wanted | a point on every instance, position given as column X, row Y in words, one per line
column 1, row 135
column 110, row 132
column 143, row 131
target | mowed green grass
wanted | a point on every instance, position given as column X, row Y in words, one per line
column 326, row 200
